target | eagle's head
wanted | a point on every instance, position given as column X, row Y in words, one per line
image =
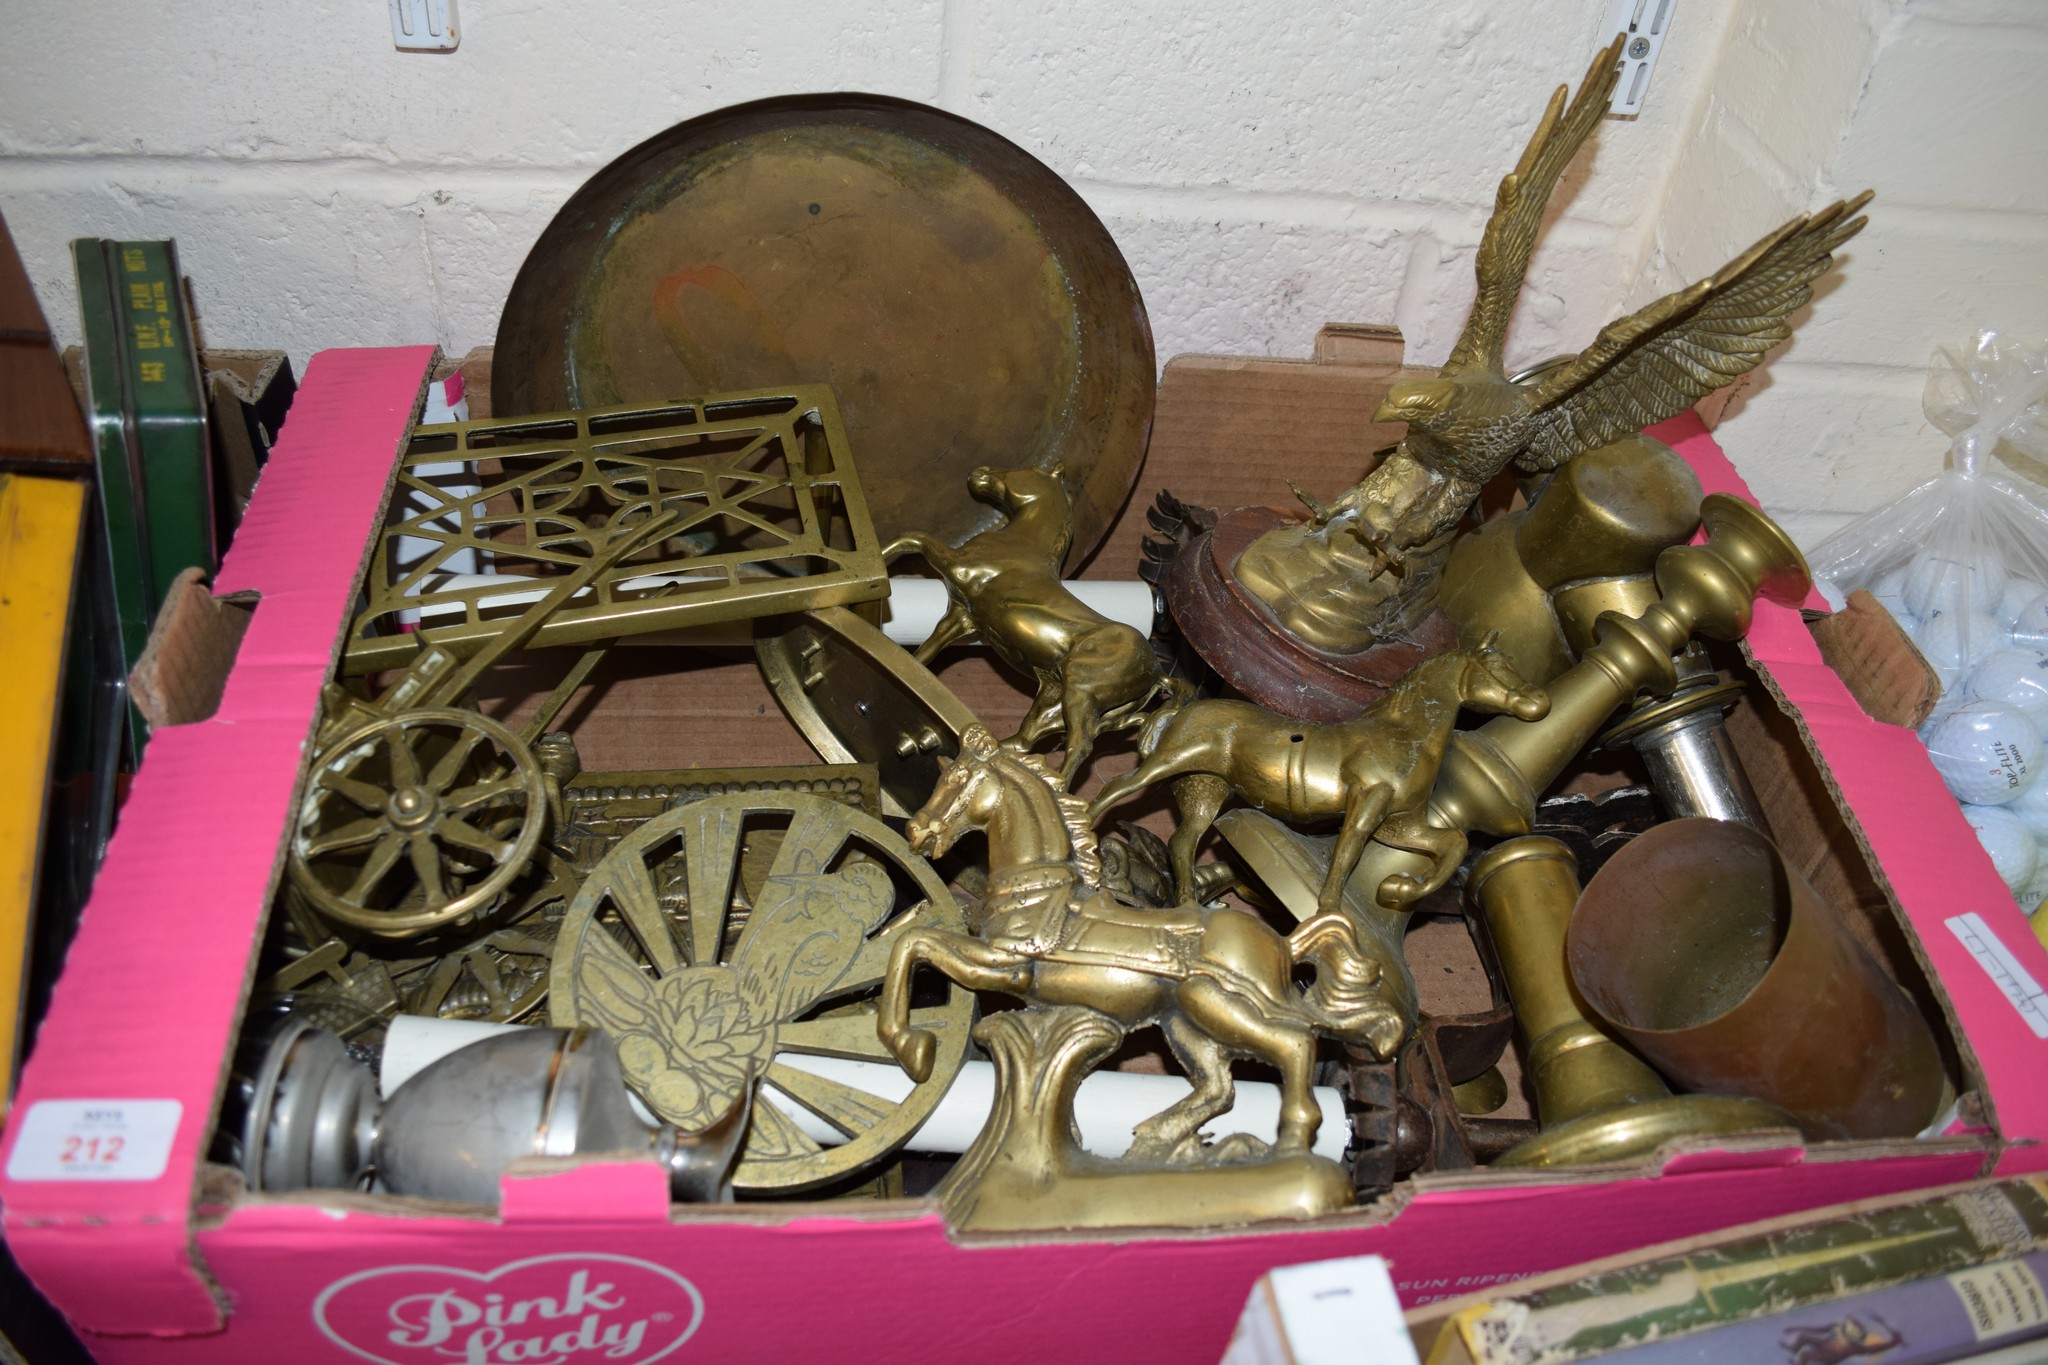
column 1418, row 402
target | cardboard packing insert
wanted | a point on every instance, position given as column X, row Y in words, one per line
column 155, row 989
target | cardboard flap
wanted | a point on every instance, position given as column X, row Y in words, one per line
column 1730, row 1158
column 173, row 920
column 1890, row 679
column 542, row 1190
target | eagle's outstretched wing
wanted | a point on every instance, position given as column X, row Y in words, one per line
column 1659, row 361
column 1518, row 210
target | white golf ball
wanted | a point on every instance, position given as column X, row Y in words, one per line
column 1987, row 752
column 2009, row 842
column 2034, row 894
column 2018, row 595
column 2017, row 677
column 1890, row 592
column 1955, row 640
column 1937, row 584
column 2031, row 805
column 2030, row 626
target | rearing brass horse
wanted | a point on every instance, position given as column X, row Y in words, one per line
column 1094, row 675
column 1374, row 772
column 1218, row 982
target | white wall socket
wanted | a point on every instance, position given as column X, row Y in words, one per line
column 424, row 25
column 1646, row 22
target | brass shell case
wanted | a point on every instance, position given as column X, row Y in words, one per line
column 1597, row 1101
column 1711, row 957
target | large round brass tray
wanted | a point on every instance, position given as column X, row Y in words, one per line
column 965, row 304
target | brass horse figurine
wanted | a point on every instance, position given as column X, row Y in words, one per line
column 1094, row 675
column 1218, row 982
column 1373, row 772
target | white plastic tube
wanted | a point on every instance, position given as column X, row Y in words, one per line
column 1108, row 1106
column 910, row 615
column 413, row 1042
column 916, row 604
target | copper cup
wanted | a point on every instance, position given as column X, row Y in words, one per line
column 1701, row 948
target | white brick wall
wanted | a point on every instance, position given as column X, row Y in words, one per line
column 1950, row 126
column 1265, row 167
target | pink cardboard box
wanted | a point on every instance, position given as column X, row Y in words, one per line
column 161, row 1259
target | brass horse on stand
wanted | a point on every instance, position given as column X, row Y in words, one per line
column 1373, row 772
column 1218, row 982
column 1094, row 675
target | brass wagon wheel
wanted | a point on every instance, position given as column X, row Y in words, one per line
column 417, row 820
column 654, row 951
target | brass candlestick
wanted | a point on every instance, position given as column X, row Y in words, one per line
column 1587, row 544
column 1683, row 741
column 1492, row 776
column 1597, row 1101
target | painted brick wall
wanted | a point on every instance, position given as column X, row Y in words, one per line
column 1265, row 167
column 1950, row 126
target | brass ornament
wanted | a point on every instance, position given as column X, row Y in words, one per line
column 1026, row 1172
column 1492, row 777
column 1707, row 954
column 768, row 517
column 1596, row 1100
column 450, row 794
column 1587, row 543
column 601, row 808
column 1373, row 774
column 418, row 814
column 1094, row 676
column 1236, row 635
column 961, row 299
column 1218, row 982
column 502, row 976
column 859, row 697
column 703, row 1009
column 499, row 978
column 1362, row 570
column 1294, row 867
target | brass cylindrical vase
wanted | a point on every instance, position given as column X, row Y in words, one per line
column 1596, row 1100
column 1712, row 958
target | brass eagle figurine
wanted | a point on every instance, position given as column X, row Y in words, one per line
column 1363, row 570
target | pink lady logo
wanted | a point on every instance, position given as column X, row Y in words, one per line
column 579, row 1308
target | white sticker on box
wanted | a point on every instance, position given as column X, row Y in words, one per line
column 2004, row 969
column 94, row 1140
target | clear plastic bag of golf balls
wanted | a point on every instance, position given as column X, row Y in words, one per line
column 1962, row 563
